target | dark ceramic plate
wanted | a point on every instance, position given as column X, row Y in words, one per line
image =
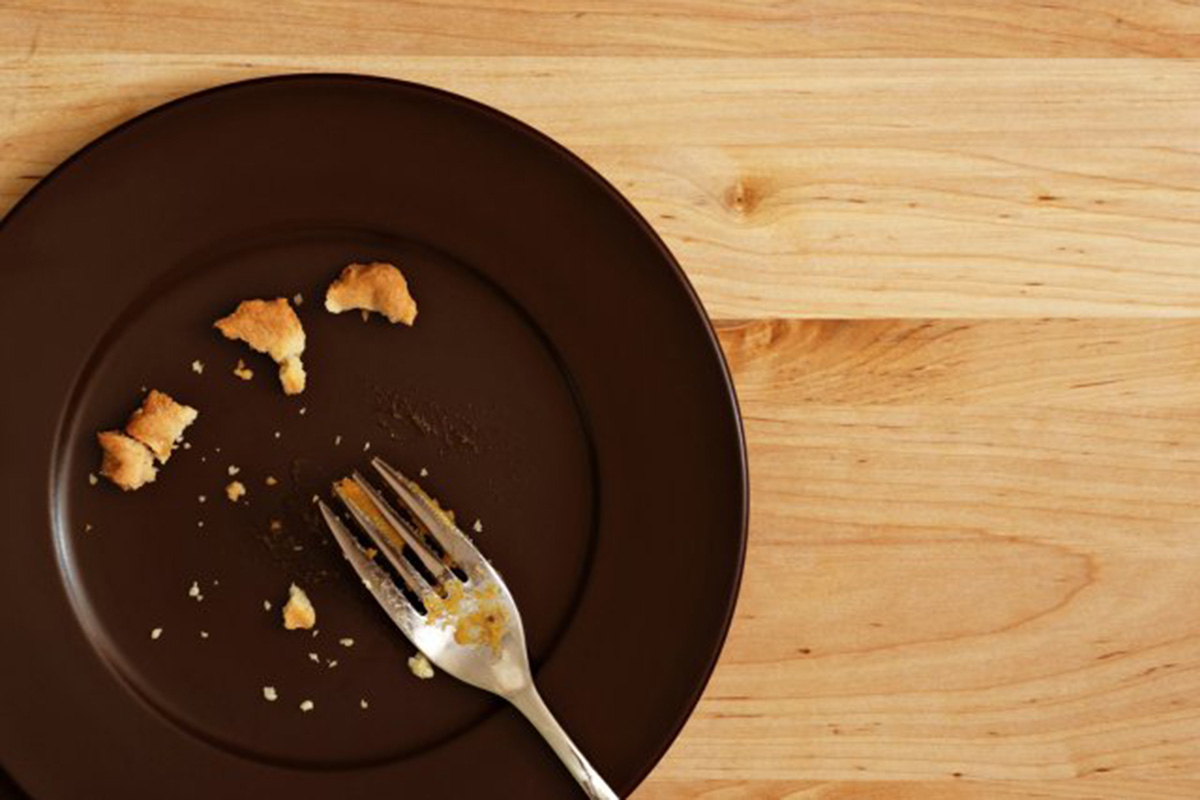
column 562, row 385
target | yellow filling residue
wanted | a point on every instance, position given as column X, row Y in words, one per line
column 478, row 617
column 353, row 494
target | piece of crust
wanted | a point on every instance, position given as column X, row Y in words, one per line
column 298, row 613
column 127, row 462
column 160, row 423
column 375, row 287
column 271, row 327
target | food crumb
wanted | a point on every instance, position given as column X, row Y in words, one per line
column 235, row 490
column 234, row 470
column 419, row 665
column 198, row 367
column 203, row 634
column 477, row 527
column 276, row 526
column 370, row 553
column 313, row 657
column 337, row 440
column 199, row 523
column 347, row 642
column 298, row 299
column 297, row 548
column 299, row 611
column 157, row 632
column 277, row 434
column 194, row 591
column 242, row 371
column 269, row 694
column 306, row 706
column 202, row 498
column 316, row 631
column 216, row 582
column 366, row 446
column 87, row 526
column 363, row 703
column 303, row 410
column 266, row 605
column 316, row 499
column 187, row 445
column 271, row 480
column 92, row 479
column 331, row 663
column 424, row 472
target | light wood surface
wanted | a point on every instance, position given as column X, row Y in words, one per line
column 953, row 252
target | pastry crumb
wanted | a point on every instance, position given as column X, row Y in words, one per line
column 419, row 665
column 92, row 479
column 315, row 632
column 194, row 592
column 275, row 525
column 337, row 439
column 186, row 445
column 370, row 553
column 298, row 299
column 298, row 613
column 242, row 371
column 203, row 634
column 269, row 694
column 303, row 410
column 363, row 703
column 202, row 498
column 306, row 706
column 347, row 642
column 127, row 462
column 266, row 605
column 477, row 527
column 375, row 287
column 199, row 523
column 235, row 491
column 271, row 327
column 331, row 663
column 424, row 472
column 87, row 526
column 366, row 446
column 313, row 657
column 198, row 367
column 277, row 434
column 234, row 470
column 271, row 480
column 157, row 632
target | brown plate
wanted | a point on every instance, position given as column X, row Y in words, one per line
column 562, row 385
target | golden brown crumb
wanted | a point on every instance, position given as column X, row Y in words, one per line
column 298, row 613
column 271, row 480
column 271, row 327
column 242, row 371
column 235, row 491
column 160, row 422
column 419, row 665
column 276, row 526
column 198, row 367
column 127, row 462
column 306, row 706
column 372, row 287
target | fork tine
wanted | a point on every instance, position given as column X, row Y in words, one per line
column 380, row 511
column 388, row 532
column 377, row 581
column 435, row 520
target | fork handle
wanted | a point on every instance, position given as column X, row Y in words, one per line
column 530, row 703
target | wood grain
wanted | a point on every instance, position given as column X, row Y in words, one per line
column 616, row 27
column 955, row 249
column 994, row 582
column 790, row 187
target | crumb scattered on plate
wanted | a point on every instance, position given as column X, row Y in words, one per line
column 298, row 299
column 313, row 657
column 202, row 498
column 477, row 527
column 363, row 703
column 200, row 523
column 242, row 371
column 87, row 526
column 315, row 632
column 159, row 423
column 233, row 470
column 203, row 634
column 269, row 694
column 306, row 706
column 271, row 327
column 157, row 632
column 92, row 479
column 127, row 462
column 277, row 434
column 375, row 287
column 303, row 410
column 194, row 592
column 366, row 446
column 266, row 605
column 419, row 665
column 424, row 472
column 298, row 613
column 331, row 663
column 337, row 439
column 275, row 525
column 271, row 480
column 198, row 367
column 347, row 642
column 235, row 491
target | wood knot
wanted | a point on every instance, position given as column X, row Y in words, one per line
column 744, row 196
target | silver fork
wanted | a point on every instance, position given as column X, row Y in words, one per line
column 470, row 627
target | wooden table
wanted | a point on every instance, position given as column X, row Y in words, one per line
column 953, row 251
